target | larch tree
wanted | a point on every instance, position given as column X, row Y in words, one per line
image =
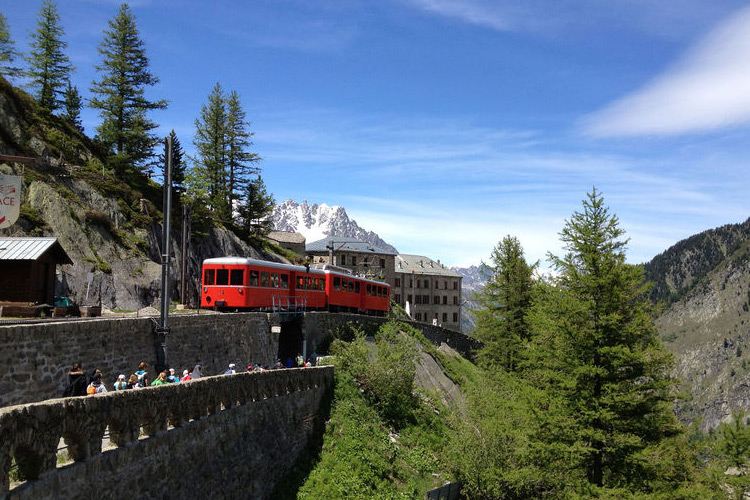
column 8, row 52
column 121, row 94
column 49, row 66
column 256, row 208
column 223, row 164
column 207, row 179
column 505, row 300
column 596, row 352
column 72, row 107
column 240, row 161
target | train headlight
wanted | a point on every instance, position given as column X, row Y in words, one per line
column 239, row 290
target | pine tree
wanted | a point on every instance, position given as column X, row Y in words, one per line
column 8, row 52
column 120, row 92
column 49, row 67
column 505, row 300
column 72, row 107
column 238, row 139
column 209, row 173
column 595, row 350
column 256, row 209
column 223, row 163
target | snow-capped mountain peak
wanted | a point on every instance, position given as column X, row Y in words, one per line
column 317, row 221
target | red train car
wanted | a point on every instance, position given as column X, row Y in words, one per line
column 347, row 292
column 239, row 283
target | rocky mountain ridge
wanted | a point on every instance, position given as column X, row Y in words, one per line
column 317, row 221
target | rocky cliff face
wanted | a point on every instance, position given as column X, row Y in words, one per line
column 708, row 329
column 110, row 231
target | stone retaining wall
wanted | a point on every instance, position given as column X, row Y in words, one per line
column 224, row 437
column 35, row 358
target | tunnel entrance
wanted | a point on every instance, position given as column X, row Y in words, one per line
column 290, row 342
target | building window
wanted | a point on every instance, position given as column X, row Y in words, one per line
column 382, row 263
column 455, row 300
column 398, row 299
column 343, row 260
column 445, row 300
column 354, row 260
column 398, row 282
column 445, row 283
column 455, row 317
column 455, row 285
column 425, row 299
column 418, row 283
column 436, row 300
column 427, row 284
column 445, row 317
column 408, row 299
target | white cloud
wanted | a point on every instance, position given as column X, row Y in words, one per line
column 708, row 89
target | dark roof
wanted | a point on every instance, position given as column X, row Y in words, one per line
column 32, row 249
column 344, row 244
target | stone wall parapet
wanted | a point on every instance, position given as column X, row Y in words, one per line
column 31, row 433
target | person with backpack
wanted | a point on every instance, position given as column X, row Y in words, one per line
column 142, row 374
column 96, row 386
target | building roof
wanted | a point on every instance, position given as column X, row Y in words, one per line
column 419, row 264
column 32, row 249
column 286, row 237
column 345, row 244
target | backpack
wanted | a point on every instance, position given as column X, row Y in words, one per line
column 141, row 379
column 91, row 389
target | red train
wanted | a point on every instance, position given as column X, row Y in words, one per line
column 239, row 283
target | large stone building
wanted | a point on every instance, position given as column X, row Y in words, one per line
column 360, row 257
column 432, row 291
column 289, row 240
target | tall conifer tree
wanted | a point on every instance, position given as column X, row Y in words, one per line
column 506, row 298
column 8, row 52
column 596, row 352
column 49, row 67
column 256, row 208
column 120, row 91
column 72, row 107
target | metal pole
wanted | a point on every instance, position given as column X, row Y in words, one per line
column 183, row 271
column 163, row 329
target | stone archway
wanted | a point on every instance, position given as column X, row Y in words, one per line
column 291, row 341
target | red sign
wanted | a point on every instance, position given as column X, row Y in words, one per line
column 10, row 199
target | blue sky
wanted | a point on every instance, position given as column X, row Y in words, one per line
column 444, row 125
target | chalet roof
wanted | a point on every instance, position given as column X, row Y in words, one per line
column 419, row 264
column 344, row 244
column 32, row 249
column 286, row 237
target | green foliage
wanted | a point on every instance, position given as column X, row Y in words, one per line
column 72, row 105
column 505, row 300
column 8, row 52
column 49, row 67
column 36, row 225
column 223, row 163
column 120, row 94
column 387, row 379
column 256, row 209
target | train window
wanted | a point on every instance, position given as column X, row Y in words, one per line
column 284, row 281
column 369, row 289
column 356, row 287
column 308, row 283
column 264, row 278
column 222, row 276
column 275, row 280
column 336, row 283
column 351, row 285
column 344, row 284
column 236, row 277
column 300, row 282
column 209, row 276
column 322, row 285
column 253, row 278
column 380, row 291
